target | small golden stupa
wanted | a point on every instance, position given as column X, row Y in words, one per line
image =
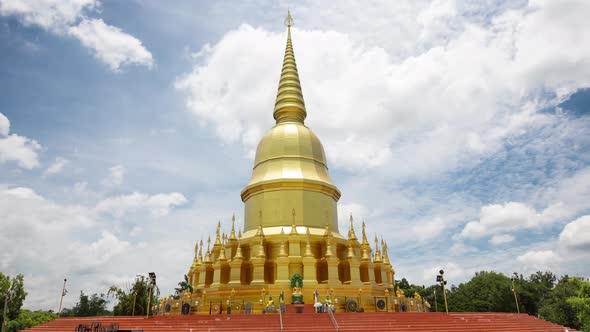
column 291, row 243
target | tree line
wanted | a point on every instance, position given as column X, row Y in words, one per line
column 564, row 300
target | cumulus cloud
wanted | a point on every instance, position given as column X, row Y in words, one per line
column 110, row 44
column 539, row 260
column 115, row 177
column 576, row 235
column 4, row 125
column 158, row 205
column 428, row 112
column 510, row 217
column 54, row 15
column 57, row 166
column 19, row 149
column 48, row 241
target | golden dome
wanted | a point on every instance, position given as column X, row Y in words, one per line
column 290, row 151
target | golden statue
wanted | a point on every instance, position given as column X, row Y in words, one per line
column 417, row 296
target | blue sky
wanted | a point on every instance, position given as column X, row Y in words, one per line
column 459, row 131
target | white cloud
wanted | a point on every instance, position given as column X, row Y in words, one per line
column 4, row 125
column 576, row 235
column 510, row 217
column 436, row 110
column 429, row 229
column 539, row 260
column 53, row 15
column 115, row 177
column 501, row 239
column 111, row 45
column 48, row 241
column 19, row 149
column 57, row 166
column 158, row 205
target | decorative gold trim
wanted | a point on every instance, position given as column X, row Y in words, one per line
column 284, row 184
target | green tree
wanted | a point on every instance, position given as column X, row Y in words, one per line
column 15, row 290
column 581, row 304
column 137, row 294
column 27, row 318
column 93, row 305
column 485, row 292
column 556, row 308
column 533, row 290
column 402, row 284
column 182, row 287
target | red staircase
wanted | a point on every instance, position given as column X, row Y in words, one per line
column 309, row 321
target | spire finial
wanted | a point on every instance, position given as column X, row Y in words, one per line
column 232, row 234
column 365, row 241
column 289, row 20
column 217, row 234
column 293, row 227
column 289, row 106
column 351, row 233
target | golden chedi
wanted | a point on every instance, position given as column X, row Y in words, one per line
column 290, row 229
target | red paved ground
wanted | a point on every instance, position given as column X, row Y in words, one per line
column 381, row 321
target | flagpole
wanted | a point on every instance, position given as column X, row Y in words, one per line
column 63, row 293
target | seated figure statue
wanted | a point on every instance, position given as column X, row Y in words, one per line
column 270, row 305
column 328, row 305
column 296, row 296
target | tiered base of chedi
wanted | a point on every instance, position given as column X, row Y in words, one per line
column 291, row 250
column 304, row 264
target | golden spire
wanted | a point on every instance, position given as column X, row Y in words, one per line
column 261, row 253
column 377, row 258
column 239, row 251
column 328, row 248
column 293, row 227
column 232, row 234
column 351, row 233
column 260, row 231
column 200, row 254
column 208, row 254
column 217, row 235
column 385, row 254
column 350, row 252
column 289, row 106
column 283, row 249
column 308, row 252
column 222, row 253
column 365, row 241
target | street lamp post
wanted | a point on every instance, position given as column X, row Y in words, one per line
column 440, row 278
column 152, row 276
column 61, row 299
column 515, row 297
